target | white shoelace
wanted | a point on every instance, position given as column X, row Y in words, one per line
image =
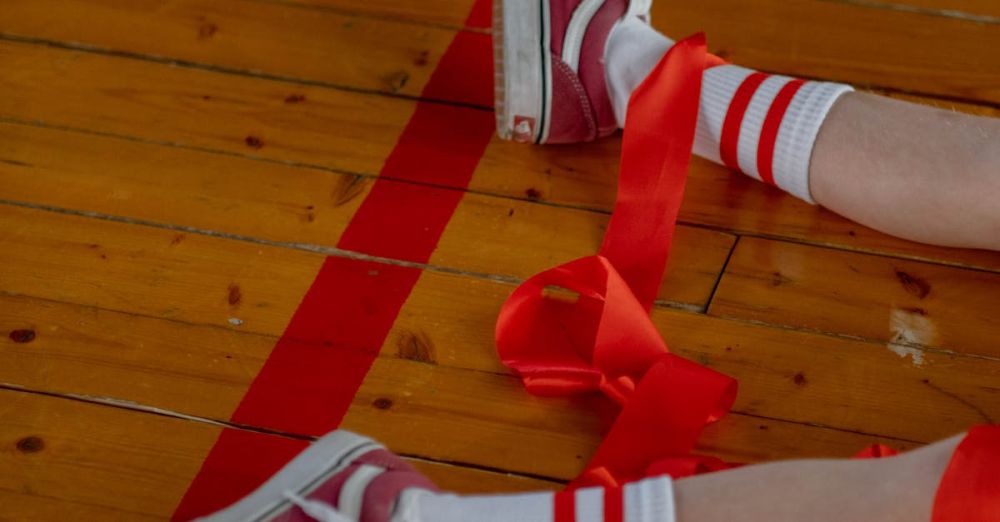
column 317, row 510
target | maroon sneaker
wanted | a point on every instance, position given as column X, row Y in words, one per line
column 342, row 477
column 550, row 85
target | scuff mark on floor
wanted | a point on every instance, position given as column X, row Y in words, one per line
column 909, row 331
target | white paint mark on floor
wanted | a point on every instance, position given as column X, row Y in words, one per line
column 903, row 351
column 909, row 329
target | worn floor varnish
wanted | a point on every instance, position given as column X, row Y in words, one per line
column 172, row 175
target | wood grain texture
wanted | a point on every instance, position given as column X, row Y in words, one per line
column 980, row 10
column 153, row 342
column 451, row 12
column 157, row 103
column 198, row 108
column 855, row 41
column 801, row 376
column 246, row 35
column 874, row 43
column 901, row 303
column 273, row 202
column 70, row 459
column 840, row 41
column 429, row 410
column 166, row 167
column 203, row 370
column 86, row 457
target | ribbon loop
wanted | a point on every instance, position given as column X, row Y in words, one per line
column 618, row 390
column 600, row 338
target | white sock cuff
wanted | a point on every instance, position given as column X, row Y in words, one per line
column 789, row 128
column 526, row 507
column 633, row 49
column 798, row 132
column 793, row 123
column 589, row 505
column 650, row 500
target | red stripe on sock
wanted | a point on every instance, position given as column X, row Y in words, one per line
column 769, row 132
column 314, row 371
column 564, row 507
column 614, row 505
column 734, row 119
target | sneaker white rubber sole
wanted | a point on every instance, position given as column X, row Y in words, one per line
column 523, row 69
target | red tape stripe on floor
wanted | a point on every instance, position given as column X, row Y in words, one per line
column 314, row 371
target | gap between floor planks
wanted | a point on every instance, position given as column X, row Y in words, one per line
column 718, row 228
column 462, row 339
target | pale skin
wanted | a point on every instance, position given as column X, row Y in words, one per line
column 895, row 489
column 912, row 171
column 917, row 172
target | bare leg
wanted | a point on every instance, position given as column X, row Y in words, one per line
column 909, row 170
column 892, row 489
column 912, row 171
column 895, row 489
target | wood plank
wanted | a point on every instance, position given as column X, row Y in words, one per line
column 146, row 460
column 901, row 303
column 461, row 479
column 310, row 206
column 25, row 506
column 449, row 322
column 451, row 12
column 863, row 44
column 151, row 353
column 200, row 108
column 338, row 49
column 95, row 458
column 800, row 376
column 427, row 404
column 841, row 41
column 416, row 408
column 482, row 419
column 487, row 420
column 155, row 102
column 979, row 10
column 153, row 272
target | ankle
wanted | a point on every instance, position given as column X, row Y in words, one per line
column 648, row 500
column 633, row 49
column 909, row 482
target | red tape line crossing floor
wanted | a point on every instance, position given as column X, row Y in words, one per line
column 316, row 368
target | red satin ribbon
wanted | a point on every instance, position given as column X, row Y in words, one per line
column 876, row 451
column 598, row 336
column 584, row 326
column 970, row 488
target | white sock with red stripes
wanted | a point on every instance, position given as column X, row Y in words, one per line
column 762, row 125
column 649, row 500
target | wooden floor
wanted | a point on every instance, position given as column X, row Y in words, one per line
column 174, row 172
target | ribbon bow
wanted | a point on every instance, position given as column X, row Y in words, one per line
column 584, row 326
